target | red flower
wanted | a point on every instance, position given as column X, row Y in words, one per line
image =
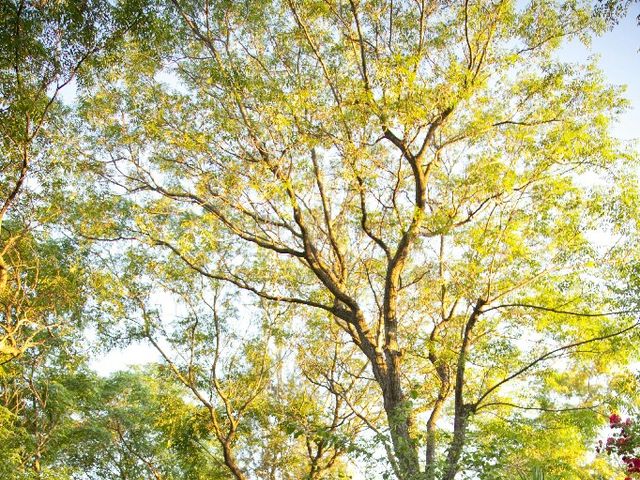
column 633, row 465
column 614, row 419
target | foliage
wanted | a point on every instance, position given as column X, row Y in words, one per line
column 398, row 175
column 80, row 426
column 396, row 235
column 614, row 10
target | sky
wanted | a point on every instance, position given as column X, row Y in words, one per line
column 618, row 51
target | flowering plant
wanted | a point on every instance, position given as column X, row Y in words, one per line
column 624, row 443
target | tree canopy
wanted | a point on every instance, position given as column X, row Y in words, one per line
column 367, row 239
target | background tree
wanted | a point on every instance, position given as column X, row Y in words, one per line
column 44, row 46
column 263, row 422
column 67, row 423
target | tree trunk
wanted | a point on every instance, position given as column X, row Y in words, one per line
column 457, row 444
column 400, row 418
column 230, row 461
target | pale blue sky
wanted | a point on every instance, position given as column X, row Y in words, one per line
column 619, row 53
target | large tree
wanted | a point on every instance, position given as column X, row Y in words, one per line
column 425, row 176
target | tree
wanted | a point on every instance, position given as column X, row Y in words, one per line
column 261, row 420
column 44, row 48
column 68, row 423
column 425, row 176
column 137, row 424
